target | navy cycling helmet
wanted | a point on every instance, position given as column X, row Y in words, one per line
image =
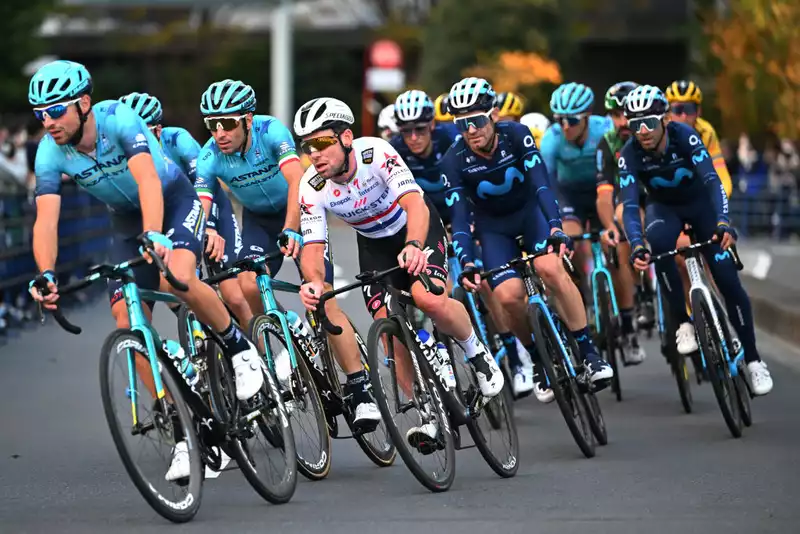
column 571, row 99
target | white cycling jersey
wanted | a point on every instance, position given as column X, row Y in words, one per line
column 368, row 202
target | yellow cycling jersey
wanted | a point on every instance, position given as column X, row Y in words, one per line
column 710, row 139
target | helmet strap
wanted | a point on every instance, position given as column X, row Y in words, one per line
column 82, row 117
column 345, row 168
column 243, row 148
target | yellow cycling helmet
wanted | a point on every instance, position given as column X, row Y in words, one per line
column 684, row 91
column 510, row 104
column 440, row 112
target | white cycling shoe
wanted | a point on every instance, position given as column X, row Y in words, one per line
column 685, row 339
column 760, row 378
column 248, row 368
column 180, row 466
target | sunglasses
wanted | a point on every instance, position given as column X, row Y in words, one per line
column 569, row 120
column 418, row 129
column 689, row 108
column 648, row 123
column 226, row 123
column 318, row 144
column 56, row 111
column 477, row 121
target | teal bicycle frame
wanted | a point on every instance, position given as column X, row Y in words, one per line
column 599, row 261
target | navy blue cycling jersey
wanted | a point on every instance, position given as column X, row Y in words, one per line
column 496, row 187
column 426, row 171
column 677, row 177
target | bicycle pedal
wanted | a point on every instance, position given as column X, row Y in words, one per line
column 364, row 427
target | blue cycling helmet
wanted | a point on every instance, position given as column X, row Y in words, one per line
column 469, row 95
column 571, row 99
column 413, row 106
column 146, row 106
column 228, row 96
column 645, row 101
column 58, row 81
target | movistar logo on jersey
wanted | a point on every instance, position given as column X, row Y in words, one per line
column 700, row 157
column 625, row 181
column 487, row 189
column 538, row 247
column 677, row 178
column 431, row 186
column 452, row 198
column 532, row 161
column 722, row 257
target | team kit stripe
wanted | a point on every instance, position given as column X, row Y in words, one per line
column 288, row 157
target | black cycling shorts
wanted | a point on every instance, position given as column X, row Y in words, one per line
column 381, row 254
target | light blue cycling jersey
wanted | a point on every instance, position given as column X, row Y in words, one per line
column 255, row 180
column 575, row 167
column 179, row 146
column 121, row 134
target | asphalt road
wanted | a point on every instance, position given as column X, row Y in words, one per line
column 662, row 472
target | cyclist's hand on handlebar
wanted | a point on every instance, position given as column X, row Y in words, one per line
column 560, row 242
column 162, row 245
column 471, row 277
column 310, row 293
column 725, row 235
column 640, row 258
column 49, row 300
column 290, row 242
column 610, row 237
column 413, row 259
column 215, row 245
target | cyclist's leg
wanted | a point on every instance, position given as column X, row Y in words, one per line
column 259, row 237
column 624, row 286
column 228, row 228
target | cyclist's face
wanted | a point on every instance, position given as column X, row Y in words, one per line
column 478, row 138
column 64, row 127
column 230, row 141
column 573, row 133
column 417, row 136
column 327, row 156
column 649, row 140
column 620, row 123
column 685, row 112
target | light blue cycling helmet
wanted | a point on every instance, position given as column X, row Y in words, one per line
column 58, row 81
column 226, row 97
column 146, row 106
column 413, row 106
column 571, row 99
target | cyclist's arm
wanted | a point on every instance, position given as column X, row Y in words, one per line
column 719, row 163
column 629, row 196
column 704, row 168
column 281, row 142
column 48, row 211
column 536, row 171
column 314, row 228
column 189, row 149
column 206, row 185
column 549, row 151
column 456, row 200
column 606, row 175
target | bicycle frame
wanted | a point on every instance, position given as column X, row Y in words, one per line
column 599, row 260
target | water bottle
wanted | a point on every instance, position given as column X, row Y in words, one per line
column 181, row 361
column 430, row 351
column 297, row 325
column 446, row 366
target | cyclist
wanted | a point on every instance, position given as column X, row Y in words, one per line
column 440, row 112
column 222, row 228
column 421, row 144
column 109, row 151
column 367, row 184
column 685, row 101
column 510, row 106
column 607, row 187
column 672, row 163
column 386, row 123
column 538, row 125
column 498, row 169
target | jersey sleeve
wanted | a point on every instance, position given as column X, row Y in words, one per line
column 456, row 200
column 313, row 223
column 394, row 171
column 189, row 149
column 690, row 141
column 281, row 143
column 206, row 184
column 536, row 171
column 629, row 195
column 606, row 167
column 715, row 151
column 549, row 152
column 129, row 130
column 47, row 170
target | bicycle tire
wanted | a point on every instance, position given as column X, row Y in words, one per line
column 609, row 333
column 680, row 370
column 435, row 484
column 739, row 381
column 718, row 371
column 596, row 420
column 319, row 470
column 386, row 454
column 186, row 509
column 551, row 357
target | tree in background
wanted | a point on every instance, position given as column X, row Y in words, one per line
column 755, row 45
column 469, row 34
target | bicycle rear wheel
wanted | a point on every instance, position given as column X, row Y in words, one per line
column 609, row 342
column 717, row 365
column 565, row 388
column 169, row 421
column 386, row 335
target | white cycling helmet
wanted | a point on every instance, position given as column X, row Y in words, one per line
column 413, row 106
column 536, row 121
column 386, row 119
column 321, row 114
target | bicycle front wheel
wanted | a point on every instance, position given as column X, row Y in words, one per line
column 417, row 405
column 134, row 414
